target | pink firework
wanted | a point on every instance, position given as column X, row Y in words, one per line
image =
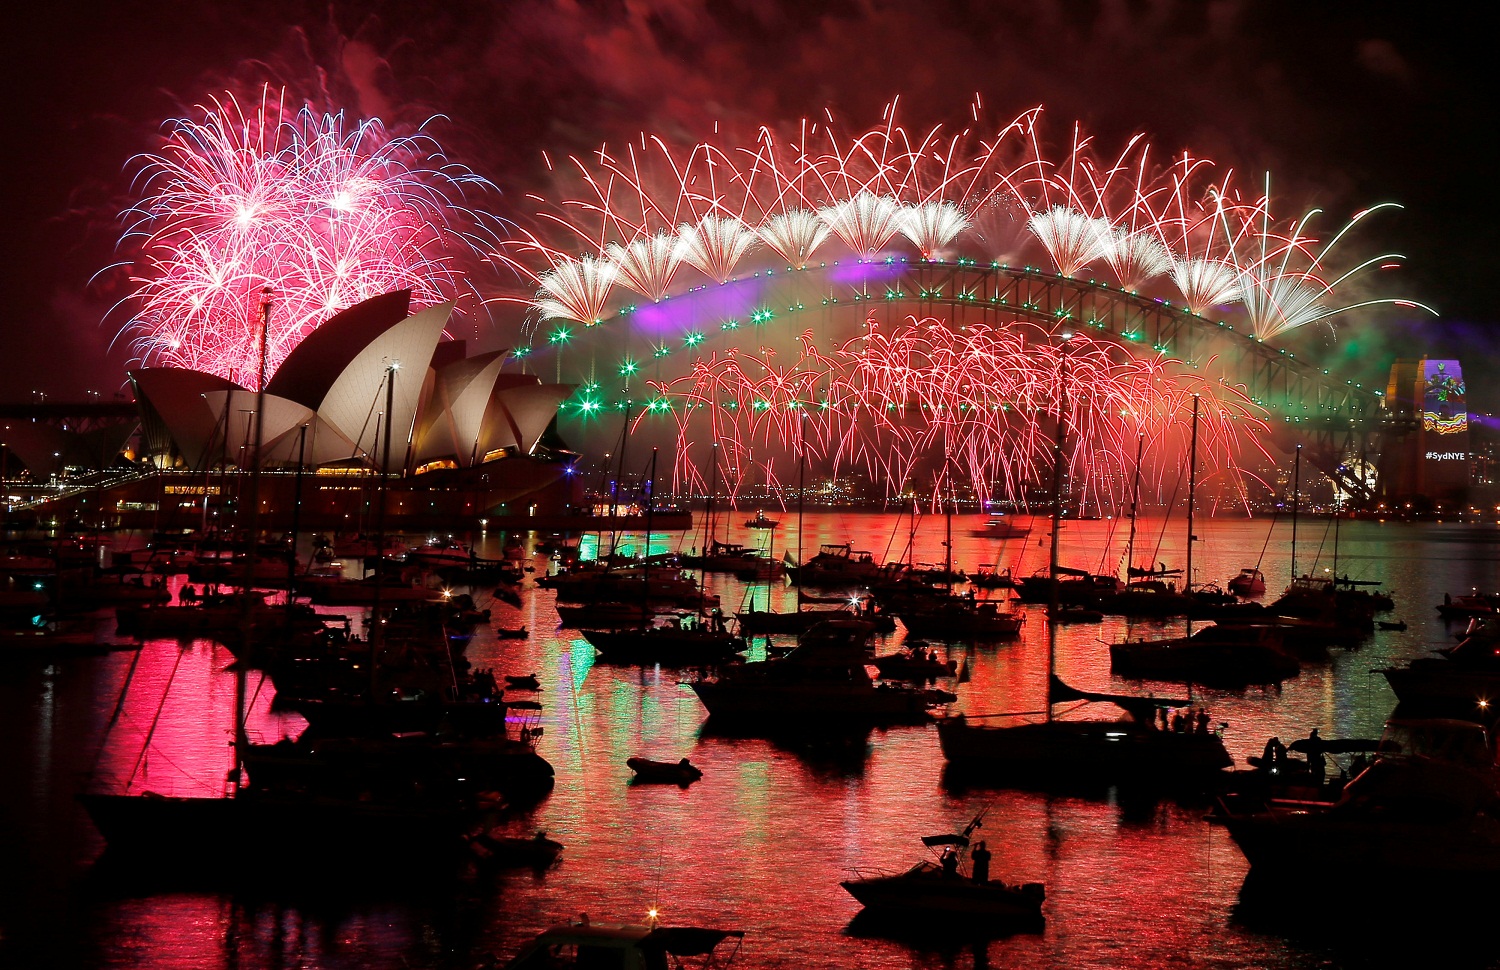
column 315, row 210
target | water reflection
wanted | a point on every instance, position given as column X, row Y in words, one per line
column 762, row 841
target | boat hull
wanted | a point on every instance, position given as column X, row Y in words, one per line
column 934, row 895
column 817, row 703
column 1096, row 750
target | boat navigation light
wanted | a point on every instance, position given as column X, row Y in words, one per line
column 651, row 915
column 1483, row 703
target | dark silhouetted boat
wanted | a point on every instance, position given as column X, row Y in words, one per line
column 680, row 772
column 823, row 682
column 955, row 885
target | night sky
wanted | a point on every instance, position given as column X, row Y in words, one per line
column 1346, row 104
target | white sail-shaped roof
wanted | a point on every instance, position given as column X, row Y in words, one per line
column 521, row 414
column 279, row 443
column 358, row 394
column 450, row 425
column 175, row 399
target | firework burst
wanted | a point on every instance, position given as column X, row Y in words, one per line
column 321, row 211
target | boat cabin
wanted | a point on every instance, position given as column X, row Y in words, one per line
column 1440, row 739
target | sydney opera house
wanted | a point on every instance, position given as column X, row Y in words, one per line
column 469, row 442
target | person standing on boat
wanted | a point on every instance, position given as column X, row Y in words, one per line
column 1315, row 761
column 981, row 857
column 950, row 862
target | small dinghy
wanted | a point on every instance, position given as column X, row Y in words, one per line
column 682, row 772
column 522, row 682
column 498, row 849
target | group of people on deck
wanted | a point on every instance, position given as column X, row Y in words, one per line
column 1192, row 720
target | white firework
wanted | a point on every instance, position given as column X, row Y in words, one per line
column 1073, row 239
column 1205, row 283
column 648, row 264
column 575, row 289
column 795, row 234
column 1280, row 302
column 932, row 226
column 1136, row 257
column 865, row 222
column 715, row 245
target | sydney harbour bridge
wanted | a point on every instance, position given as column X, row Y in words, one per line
column 1345, row 430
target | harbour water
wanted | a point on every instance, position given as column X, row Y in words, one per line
column 762, row 841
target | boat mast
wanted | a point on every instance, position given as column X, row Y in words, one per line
column 614, row 494
column 1135, row 504
column 1296, row 494
column 713, row 471
column 801, row 487
column 241, row 741
column 1192, row 495
column 948, row 536
column 291, row 565
column 648, row 495
column 1054, row 594
column 374, row 635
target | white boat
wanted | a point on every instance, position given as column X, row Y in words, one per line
column 999, row 527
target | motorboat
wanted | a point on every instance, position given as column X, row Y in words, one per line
column 1000, row 527
column 916, row 662
column 762, row 521
column 440, row 551
column 1074, row 586
column 338, row 591
column 624, row 946
column 961, row 618
column 823, row 681
column 498, row 849
column 837, row 564
column 606, row 614
column 1465, row 679
column 1250, row 582
column 1469, row 605
column 680, row 772
column 1425, row 813
column 988, row 577
column 954, row 884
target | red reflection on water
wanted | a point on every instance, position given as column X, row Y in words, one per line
column 762, row 841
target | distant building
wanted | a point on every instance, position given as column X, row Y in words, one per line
column 1426, row 453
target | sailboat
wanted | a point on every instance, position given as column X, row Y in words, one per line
column 1142, row 745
